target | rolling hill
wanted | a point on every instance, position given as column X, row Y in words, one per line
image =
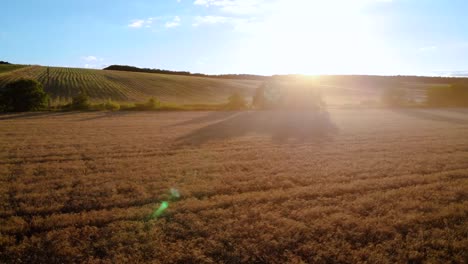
column 128, row 86
column 65, row 83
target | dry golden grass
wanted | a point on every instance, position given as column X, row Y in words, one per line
column 258, row 187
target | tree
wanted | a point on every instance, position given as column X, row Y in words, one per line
column 236, row 102
column 23, row 95
column 80, row 102
column 152, row 104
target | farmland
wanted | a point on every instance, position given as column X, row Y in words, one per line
column 130, row 87
column 347, row 186
column 64, row 83
column 4, row 68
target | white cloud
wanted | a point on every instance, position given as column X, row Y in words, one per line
column 202, row 20
column 173, row 23
column 92, row 62
column 136, row 23
column 245, row 7
column 139, row 23
column 234, row 6
column 90, row 58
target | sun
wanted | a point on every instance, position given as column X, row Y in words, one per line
column 314, row 37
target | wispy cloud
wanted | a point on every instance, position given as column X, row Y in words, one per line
column 451, row 73
column 245, row 7
column 92, row 62
column 234, row 6
column 139, row 23
column 136, row 23
column 164, row 21
column 175, row 22
column 202, row 20
column 91, row 58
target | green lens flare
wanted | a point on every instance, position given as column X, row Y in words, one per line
column 164, row 205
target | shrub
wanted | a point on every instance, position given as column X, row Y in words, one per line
column 80, row 102
column 23, row 95
column 151, row 104
column 108, row 105
column 127, row 106
column 236, row 102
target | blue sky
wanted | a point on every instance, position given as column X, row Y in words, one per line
column 423, row 37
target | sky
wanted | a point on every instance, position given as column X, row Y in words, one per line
column 383, row 37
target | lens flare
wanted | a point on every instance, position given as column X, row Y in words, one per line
column 175, row 194
column 157, row 213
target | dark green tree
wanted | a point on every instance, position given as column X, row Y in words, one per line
column 80, row 102
column 152, row 104
column 23, row 95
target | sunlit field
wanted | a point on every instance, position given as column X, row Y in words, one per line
column 64, row 83
column 343, row 186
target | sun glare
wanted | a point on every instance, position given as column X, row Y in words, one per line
column 315, row 37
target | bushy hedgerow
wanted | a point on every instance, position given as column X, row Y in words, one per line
column 151, row 104
column 23, row 95
column 80, row 102
column 109, row 105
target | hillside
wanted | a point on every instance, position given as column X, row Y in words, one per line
column 127, row 86
column 65, row 83
column 6, row 67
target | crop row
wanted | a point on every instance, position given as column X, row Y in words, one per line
column 126, row 86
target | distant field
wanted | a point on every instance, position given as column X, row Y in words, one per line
column 64, row 83
column 349, row 186
column 9, row 67
column 100, row 85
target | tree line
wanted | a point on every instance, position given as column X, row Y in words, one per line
column 374, row 80
column 185, row 73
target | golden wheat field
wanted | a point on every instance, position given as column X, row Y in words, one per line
column 345, row 186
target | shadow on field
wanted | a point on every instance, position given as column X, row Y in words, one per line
column 107, row 114
column 210, row 117
column 428, row 115
column 280, row 125
column 30, row 115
